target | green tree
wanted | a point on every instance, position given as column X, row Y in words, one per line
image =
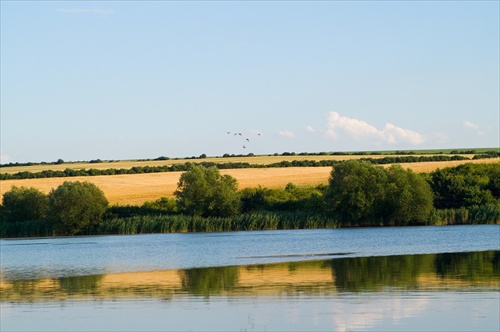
column 22, row 204
column 203, row 191
column 76, row 207
column 464, row 186
column 408, row 197
column 355, row 194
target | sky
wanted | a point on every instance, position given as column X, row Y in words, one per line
column 115, row 80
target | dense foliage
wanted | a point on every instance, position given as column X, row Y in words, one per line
column 466, row 185
column 355, row 192
column 358, row 194
column 362, row 194
column 408, row 197
column 23, row 204
column 203, row 191
column 292, row 198
column 76, row 207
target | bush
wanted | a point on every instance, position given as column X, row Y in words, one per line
column 356, row 192
column 361, row 194
column 76, row 207
column 163, row 205
column 408, row 197
column 466, row 186
column 22, row 204
column 203, row 191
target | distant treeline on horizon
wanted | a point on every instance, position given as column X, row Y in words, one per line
column 482, row 153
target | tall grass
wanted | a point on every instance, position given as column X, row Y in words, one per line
column 244, row 222
column 486, row 214
column 31, row 228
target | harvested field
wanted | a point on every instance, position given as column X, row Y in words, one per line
column 127, row 164
column 433, row 165
column 139, row 188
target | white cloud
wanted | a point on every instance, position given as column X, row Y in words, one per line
column 470, row 124
column 342, row 127
column 310, row 129
column 96, row 11
column 474, row 126
column 355, row 129
column 397, row 135
column 286, row 133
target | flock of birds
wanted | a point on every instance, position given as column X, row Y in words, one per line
column 243, row 137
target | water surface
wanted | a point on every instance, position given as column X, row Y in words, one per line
column 60, row 257
column 391, row 279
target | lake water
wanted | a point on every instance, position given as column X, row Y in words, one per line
column 408, row 278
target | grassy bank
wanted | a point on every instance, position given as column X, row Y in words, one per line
column 489, row 214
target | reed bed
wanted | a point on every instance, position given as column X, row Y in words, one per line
column 488, row 214
column 485, row 214
column 154, row 224
column 244, row 222
column 32, row 228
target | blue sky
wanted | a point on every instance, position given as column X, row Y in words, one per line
column 130, row 80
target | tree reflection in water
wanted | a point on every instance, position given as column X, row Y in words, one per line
column 321, row 277
column 416, row 271
column 469, row 266
column 374, row 273
column 209, row 281
column 88, row 285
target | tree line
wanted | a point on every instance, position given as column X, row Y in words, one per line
column 70, row 172
column 358, row 193
column 484, row 153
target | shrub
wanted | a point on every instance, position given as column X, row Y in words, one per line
column 22, row 204
column 76, row 207
column 356, row 192
column 203, row 191
column 362, row 194
column 408, row 197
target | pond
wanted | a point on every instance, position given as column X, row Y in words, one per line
column 408, row 278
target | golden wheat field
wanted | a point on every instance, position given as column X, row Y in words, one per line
column 136, row 189
column 127, row 164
